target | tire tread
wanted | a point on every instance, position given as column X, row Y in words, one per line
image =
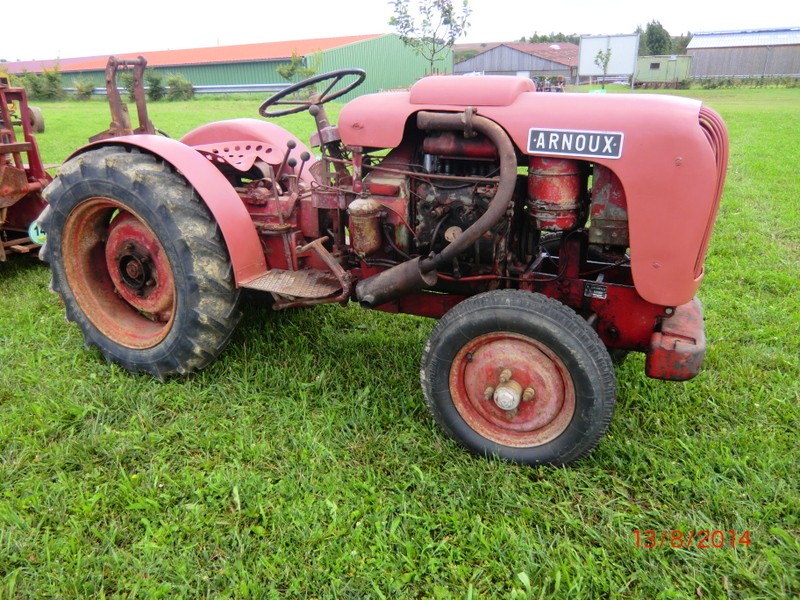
column 170, row 204
column 557, row 321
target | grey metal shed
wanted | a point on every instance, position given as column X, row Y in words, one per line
column 549, row 60
column 750, row 53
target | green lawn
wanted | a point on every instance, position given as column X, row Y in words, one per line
column 303, row 463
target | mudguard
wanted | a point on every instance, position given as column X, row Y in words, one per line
column 241, row 238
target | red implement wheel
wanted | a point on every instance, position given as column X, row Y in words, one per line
column 519, row 376
column 36, row 119
column 139, row 262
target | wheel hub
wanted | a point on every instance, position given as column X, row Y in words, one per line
column 135, row 270
column 509, row 393
column 119, row 273
column 139, row 268
column 512, row 389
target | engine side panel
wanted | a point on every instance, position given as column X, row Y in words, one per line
column 667, row 169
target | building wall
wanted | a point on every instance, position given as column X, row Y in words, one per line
column 754, row 61
column 227, row 73
column 507, row 61
column 663, row 69
column 216, row 74
column 389, row 64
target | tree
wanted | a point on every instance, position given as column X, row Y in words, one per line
column 179, row 88
column 435, row 28
column 301, row 68
column 555, row 38
column 84, row 88
column 125, row 81
column 290, row 69
column 461, row 56
column 657, row 39
column 602, row 59
column 679, row 43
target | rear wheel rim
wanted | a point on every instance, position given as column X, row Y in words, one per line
column 119, row 273
column 532, row 370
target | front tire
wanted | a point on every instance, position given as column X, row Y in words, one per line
column 139, row 262
column 519, row 376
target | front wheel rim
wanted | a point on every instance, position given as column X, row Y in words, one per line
column 119, row 273
column 512, row 389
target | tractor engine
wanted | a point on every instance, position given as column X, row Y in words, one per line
column 452, row 191
column 448, row 182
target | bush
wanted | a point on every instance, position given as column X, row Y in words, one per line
column 125, row 80
column 179, row 88
column 45, row 86
column 748, row 82
column 155, row 86
column 84, row 88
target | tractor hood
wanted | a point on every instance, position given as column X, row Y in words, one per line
column 669, row 153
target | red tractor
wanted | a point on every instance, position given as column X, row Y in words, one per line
column 22, row 174
column 546, row 232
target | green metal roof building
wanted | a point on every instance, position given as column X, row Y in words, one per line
column 389, row 63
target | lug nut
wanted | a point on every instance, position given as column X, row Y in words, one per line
column 505, row 375
column 488, row 393
column 528, row 394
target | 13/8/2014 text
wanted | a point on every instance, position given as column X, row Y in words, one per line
column 702, row 539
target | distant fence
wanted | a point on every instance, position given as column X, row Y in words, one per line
column 240, row 89
column 249, row 88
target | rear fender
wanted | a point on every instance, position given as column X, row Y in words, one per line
column 238, row 231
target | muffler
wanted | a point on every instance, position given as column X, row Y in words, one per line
column 393, row 283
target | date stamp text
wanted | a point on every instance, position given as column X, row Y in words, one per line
column 702, row 539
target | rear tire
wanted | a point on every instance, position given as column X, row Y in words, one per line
column 139, row 262
column 507, row 340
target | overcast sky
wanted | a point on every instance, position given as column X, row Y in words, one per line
column 75, row 28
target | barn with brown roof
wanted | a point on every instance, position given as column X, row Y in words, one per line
column 389, row 63
column 541, row 60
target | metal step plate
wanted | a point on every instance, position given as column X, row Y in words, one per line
column 309, row 283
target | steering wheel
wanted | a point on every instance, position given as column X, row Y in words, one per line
column 315, row 98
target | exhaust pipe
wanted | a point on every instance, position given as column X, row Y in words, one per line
column 394, row 283
column 422, row 272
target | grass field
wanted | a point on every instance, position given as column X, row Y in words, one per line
column 303, row 462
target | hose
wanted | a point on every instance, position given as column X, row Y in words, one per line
column 420, row 273
column 508, row 178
